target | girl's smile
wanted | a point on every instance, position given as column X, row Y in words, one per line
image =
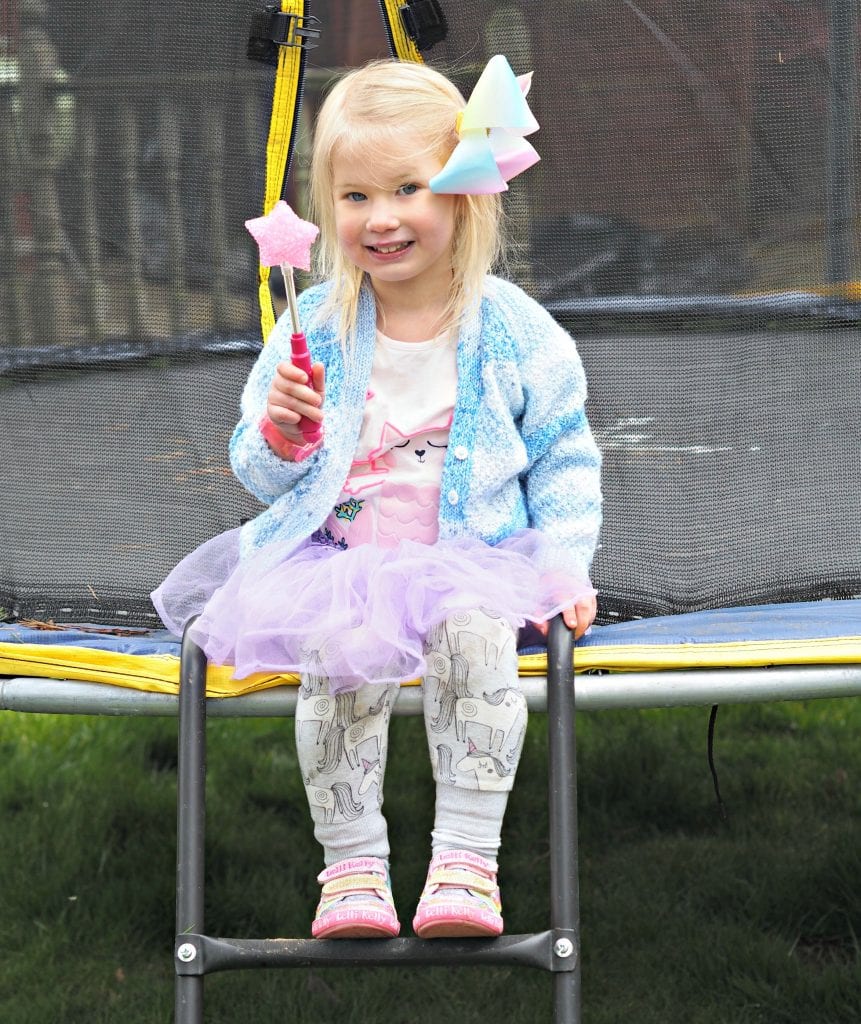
column 390, row 251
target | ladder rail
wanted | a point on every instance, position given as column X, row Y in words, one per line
column 556, row 950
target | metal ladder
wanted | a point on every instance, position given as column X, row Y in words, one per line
column 556, row 950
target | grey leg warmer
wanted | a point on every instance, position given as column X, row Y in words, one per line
column 475, row 716
column 342, row 743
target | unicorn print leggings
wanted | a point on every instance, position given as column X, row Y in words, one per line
column 475, row 719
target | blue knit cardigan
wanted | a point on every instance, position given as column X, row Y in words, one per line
column 520, row 452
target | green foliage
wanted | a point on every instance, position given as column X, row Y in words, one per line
column 685, row 917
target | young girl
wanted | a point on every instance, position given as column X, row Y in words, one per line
column 453, row 497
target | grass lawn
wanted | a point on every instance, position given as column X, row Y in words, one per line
column 685, row 917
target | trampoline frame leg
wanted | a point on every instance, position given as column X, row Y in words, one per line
column 562, row 809
column 191, row 827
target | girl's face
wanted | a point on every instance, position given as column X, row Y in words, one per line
column 390, row 224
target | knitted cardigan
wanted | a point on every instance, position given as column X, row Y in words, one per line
column 520, row 452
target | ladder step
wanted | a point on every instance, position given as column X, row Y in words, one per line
column 204, row 954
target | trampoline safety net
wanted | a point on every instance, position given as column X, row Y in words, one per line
column 692, row 222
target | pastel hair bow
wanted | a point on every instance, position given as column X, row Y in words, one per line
column 492, row 148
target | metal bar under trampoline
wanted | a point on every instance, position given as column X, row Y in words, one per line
column 598, row 692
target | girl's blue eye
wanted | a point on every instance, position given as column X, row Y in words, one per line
column 408, row 190
column 355, row 197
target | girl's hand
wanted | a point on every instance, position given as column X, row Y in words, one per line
column 290, row 398
column 578, row 617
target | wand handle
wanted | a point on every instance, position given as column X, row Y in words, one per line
column 301, row 357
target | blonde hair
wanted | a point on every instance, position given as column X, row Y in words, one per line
column 383, row 107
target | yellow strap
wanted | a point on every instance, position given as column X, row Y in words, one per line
column 402, row 45
column 350, row 883
column 463, row 880
column 282, row 129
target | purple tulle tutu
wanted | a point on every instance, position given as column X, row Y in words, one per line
column 357, row 615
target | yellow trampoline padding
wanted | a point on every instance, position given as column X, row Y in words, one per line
column 159, row 673
column 155, row 673
column 844, row 650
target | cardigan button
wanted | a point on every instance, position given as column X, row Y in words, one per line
column 461, row 452
column 453, row 497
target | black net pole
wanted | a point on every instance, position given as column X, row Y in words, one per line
column 191, row 826
column 564, row 884
column 842, row 33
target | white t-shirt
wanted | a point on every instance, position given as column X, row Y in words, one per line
column 392, row 491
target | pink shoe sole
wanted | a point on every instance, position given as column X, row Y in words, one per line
column 355, row 924
column 456, row 922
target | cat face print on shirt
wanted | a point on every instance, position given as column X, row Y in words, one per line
column 415, row 457
column 393, row 494
column 410, row 451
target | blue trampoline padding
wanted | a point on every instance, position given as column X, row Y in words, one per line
column 149, row 641
column 804, row 620
column 809, row 633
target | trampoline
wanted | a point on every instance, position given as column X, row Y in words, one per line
column 693, row 223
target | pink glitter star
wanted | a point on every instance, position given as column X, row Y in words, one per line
column 284, row 239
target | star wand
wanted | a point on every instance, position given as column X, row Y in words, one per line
column 285, row 240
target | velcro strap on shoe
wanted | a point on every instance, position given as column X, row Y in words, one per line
column 353, row 866
column 463, row 880
column 356, row 883
column 466, row 859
